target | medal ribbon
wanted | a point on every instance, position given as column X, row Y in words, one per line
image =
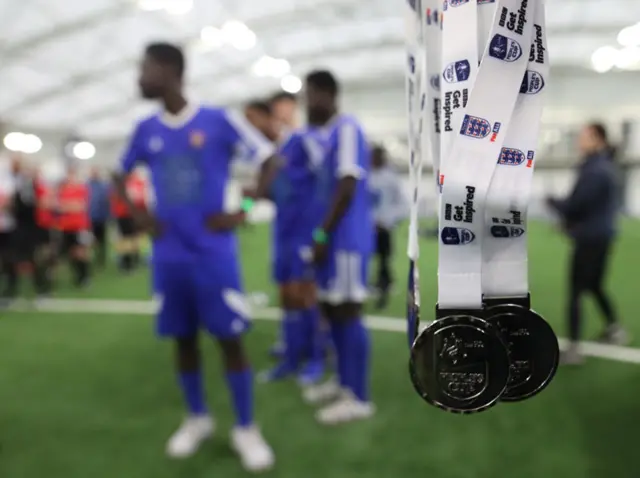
column 469, row 166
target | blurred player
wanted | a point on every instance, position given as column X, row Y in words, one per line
column 293, row 193
column 27, row 236
column 187, row 149
column 284, row 107
column 342, row 246
column 389, row 207
column 128, row 245
column 75, row 226
column 284, row 111
column 46, row 222
column 8, row 279
column 99, row 194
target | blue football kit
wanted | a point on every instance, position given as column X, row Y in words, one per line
column 297, row 208
column 195, row 270
column 342, row 277
column 297, row 214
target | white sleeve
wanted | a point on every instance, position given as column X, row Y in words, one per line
column 261, row 148
column 348, row 152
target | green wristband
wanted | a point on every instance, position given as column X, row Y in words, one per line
column 247, row 204
column 320, row 236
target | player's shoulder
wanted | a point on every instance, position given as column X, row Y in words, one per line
column 348, row 120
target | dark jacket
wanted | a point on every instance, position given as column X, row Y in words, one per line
column 591, row 210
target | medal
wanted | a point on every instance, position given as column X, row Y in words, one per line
column 532, row 344
column 478, row 351
column 460, row 364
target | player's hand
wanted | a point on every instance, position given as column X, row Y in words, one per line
column 249, row 193
column 225, row 221
column 319, row 253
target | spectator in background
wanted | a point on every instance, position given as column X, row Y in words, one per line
column 99, row 212
column 75, row 225
column 7, row 225
column 389, row 206
column 589, row 216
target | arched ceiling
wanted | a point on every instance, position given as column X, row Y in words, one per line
column 70, row 65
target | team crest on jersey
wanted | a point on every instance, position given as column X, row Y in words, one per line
column 156, row 144
column 475, row 127
column 196, row 139
column 511, row 157
column 457, row 71
column 504, row 48
column 532, row 83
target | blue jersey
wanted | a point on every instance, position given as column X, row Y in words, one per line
column 294, row 189
column 348, row 155
column 189, row 157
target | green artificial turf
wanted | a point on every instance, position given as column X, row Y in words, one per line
column 90, row 395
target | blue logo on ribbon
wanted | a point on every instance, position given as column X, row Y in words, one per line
column 504, row 48
column 457, row 71
column 532, row 83
column 511, row 157
column 456, row 236
column 475, row 127
column 506, row 232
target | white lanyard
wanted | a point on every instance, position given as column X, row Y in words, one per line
column 459, row 69
column 469, row 167
column 414, row 87
column 432, row 34
column 504, row 248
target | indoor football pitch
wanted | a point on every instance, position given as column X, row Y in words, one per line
column 86, row 390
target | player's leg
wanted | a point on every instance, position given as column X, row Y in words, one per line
column 280, row 272
column 313, row 336
column 125, row 244
column 10, row 267
column 291, row 335
column 80, row 255
column 100, row 242
column 223, row 310
column 383, row 240
column 343, row 297
column 41, row 262
column 177, row 319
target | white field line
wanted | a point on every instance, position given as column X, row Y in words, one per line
column 385, row 324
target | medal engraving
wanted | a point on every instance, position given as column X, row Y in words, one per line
column 460, row 364
column 533, row 347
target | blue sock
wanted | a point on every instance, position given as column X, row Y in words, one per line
column 241, row 387
column 356, row 338
column 342, row 364
column 193, row 392
column 314, row 347
column 293, row 328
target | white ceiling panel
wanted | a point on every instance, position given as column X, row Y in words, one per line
column 71, row 64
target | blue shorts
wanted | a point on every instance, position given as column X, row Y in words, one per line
column 342, row 278
column 290, row 265
column 199, row 294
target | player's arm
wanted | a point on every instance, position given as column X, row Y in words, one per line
column 587, row 192
column 349, row 172
column 134, row 155
column 263, row 153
